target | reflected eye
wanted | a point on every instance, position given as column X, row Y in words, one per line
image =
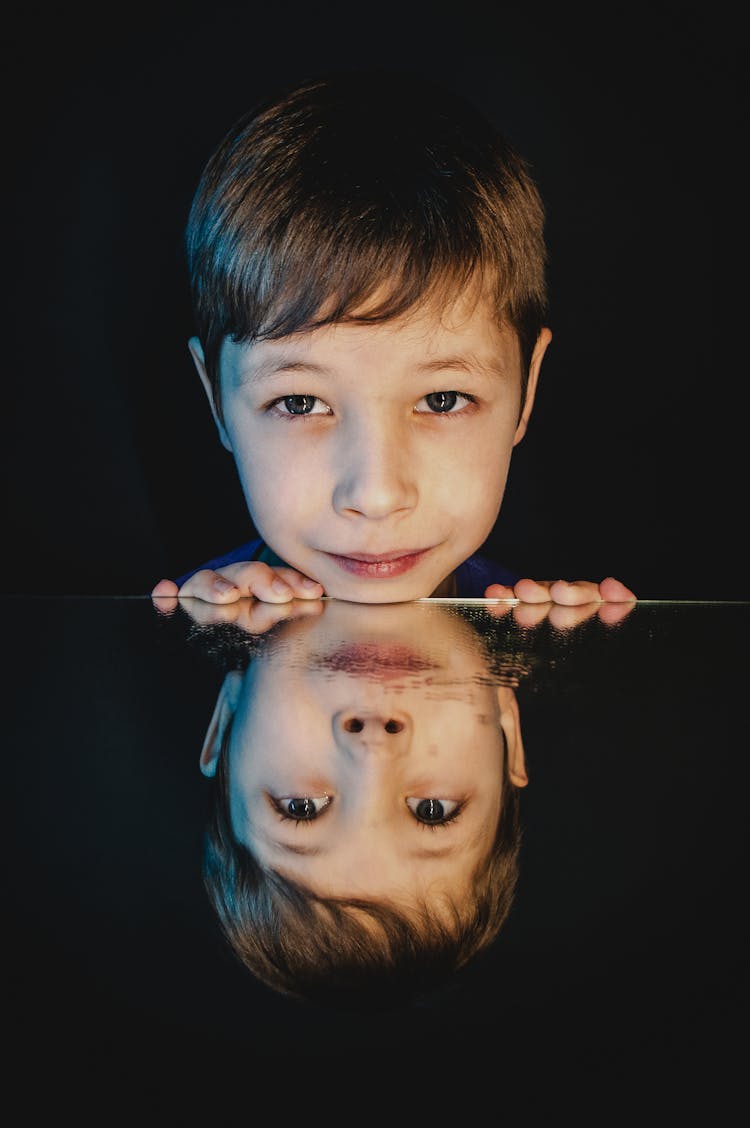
column 301, row 809
column 301, row 405
column 434, row 812
column 443, row 403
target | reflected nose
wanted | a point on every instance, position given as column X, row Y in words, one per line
column 365, row 732
column 377, row 477
column 357, row 724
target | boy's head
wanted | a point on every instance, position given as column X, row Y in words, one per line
column 351, row 210
column 370, row 835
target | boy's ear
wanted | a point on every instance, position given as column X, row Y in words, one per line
column 224, row 710
column 199, row 360
column 510, row 722
column 537, row 356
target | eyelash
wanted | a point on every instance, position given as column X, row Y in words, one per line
column 284, row 817
column 288, row 416
column 273, row 408
column 443, row 825
column 451, row 392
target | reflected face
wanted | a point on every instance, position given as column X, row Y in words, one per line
column 374, row 458
column 369, row 761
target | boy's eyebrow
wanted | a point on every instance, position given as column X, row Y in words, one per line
column 470, row 363
column 263, row 369
column 275, row 365
column 421, row 852
column 295, row 848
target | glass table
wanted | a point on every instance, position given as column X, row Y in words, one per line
column 208, row 803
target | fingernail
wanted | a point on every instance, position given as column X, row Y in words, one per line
column 280, row 587
column 308, row 583
column 223, row 586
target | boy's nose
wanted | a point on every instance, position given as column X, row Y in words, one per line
column 377, row 476
column 362, row 733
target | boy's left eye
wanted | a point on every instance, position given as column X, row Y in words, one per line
column 434, row 812
column 442, row 403
column 301, row 405
column 302, row 808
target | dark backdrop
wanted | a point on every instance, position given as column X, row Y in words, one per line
column 634, row 464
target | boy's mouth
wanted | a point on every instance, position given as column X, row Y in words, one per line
column 382, row 566
column 374, row 660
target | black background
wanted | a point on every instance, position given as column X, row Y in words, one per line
column 630, row 117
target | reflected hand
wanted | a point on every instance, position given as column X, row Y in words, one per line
column 251, row 615
column 238, row 581
column 565, row 604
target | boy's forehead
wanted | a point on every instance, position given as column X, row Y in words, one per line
column 461, row 333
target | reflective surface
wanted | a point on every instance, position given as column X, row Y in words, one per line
column 554, row 813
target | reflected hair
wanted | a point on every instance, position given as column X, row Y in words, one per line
column 351, row 953
column 356, row 197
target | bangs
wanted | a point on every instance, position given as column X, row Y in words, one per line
column 354, row 262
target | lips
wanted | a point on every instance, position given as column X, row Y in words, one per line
column 379, row 661
column 379, row 566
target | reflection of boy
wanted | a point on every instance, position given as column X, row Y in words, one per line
column 367, row 265
column 365, row 843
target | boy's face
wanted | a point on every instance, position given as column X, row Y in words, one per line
column 392, row 706
column 374, row 458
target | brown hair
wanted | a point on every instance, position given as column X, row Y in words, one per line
column 358, row 184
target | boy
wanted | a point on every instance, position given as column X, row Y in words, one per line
column 367, row 267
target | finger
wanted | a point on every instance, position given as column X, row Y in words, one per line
column 613, row 613
column 210, row 586
column 615, row 592
column 250, row 614
column 574, row 594
column 207, row 614
column 303, row 586
column 236, row 581
column 165, row 587
column 529, row 615
column 257, row 617
column 499, row 610
column 272, row 585
column 564, row 617
column 500, row 591
column 165, row 604
column 532, row 591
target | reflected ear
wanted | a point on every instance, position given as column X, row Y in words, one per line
column 537, row 357
column 510, row 722
column 224, row 710
column 199, row 360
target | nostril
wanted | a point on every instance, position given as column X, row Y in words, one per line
column 354, row 725
column 393, row 726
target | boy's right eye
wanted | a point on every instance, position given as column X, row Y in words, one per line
column 302, row 808
column 301, row 405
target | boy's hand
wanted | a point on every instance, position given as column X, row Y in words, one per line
column 565, row 604
column 561, row 591
column 237, row 581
